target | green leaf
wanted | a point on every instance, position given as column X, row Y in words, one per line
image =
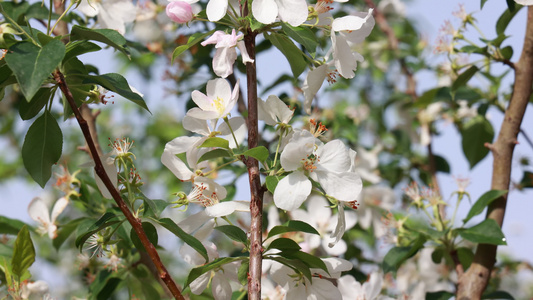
column 151, row 233
column 506, row 17
column 291, row 226
column 295, row 264
column 260, row 153
column 291, row 52
column 118, row 84
column 308, row 259
column 500, row 295
column 23, row 252
column 33, row 65
column 234, row 233
column 65, row 231
column 10, row 226
column 107, row 36
column 476, row 132
column 482, row 3
column 441, row 164
column 219, row 262
column 215, row 142
column 214, row 154
column 302, row 35
column 442, row 295
column 154, row 208
column 464, row 77
column 486, row 232
column 398, row 255
column 29, row 109
column 483, row 202
column 184, row 236
column 284, row 244
column 466, row 257
column 89, row 227
column 272, row 182
column 242, row 274
column 42, row 148
column 193, row 40
column 527, row 180
column 77, row 48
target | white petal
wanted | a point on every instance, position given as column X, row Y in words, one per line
column 334, row 156
column 524, row 2
column 176, row 166
column 340, row 228
column 244, row 54
column 345, row 60
column 282, row 113
column 265, row 11
column 223, row 61
column 193, row 222
column 216, row 9
column 372, row 287
column 300, row 147
column 318, row 209
column 200, row 283
column 226, row 208
column 239, row 130
column 344, row 186
column 38, row 211
column 292, row 191
column 294, row 12
column 59, row 207
column 314, row 80
column 221, row 287
column 203, row 101
column 218, row 88
column 196, row 125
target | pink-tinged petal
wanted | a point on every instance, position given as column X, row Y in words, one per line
column 292, row 191
column 265, row 11
column 59, row 207
column 294, row 12
column 344, row 186
column 216, row 9
column 179, row 12
column 334, row 156
column 313, row 82
column 214, row 38
column 244, row 54
column 221, row 287
column 38, row 211
column 223, row 61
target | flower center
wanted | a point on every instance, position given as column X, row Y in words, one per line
column 218, row 104
column 309, row 162
column 197, row 195
column 323, row 6
column 317, row 129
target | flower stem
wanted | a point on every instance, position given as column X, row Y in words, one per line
column 256, row 201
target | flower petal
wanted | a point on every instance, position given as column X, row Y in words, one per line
column 294, row 12
column 292, row 191
column 344, row 186
column 313, row 82
column 216, row 9
column 265, row 11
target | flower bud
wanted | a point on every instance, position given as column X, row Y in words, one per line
column 179, row 12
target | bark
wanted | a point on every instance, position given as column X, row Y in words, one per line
column 474, row 281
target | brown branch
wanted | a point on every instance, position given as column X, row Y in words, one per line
column 475, row 280
column 100, row 171
column 256, row 201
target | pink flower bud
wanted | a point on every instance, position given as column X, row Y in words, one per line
column 179, row 12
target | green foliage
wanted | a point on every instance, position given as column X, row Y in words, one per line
column 23, row 252
column 213, row 154
column 284, row 244
column 442, row 295
column 303, row 35
column 118, row 84
column 42, row 148
column 483, row 202
column 272, row 182
column 234, row 233
column 215, row 142
column 151, row 233
column 193, row 40
column 107, row 36
column 185, row 237
column 476, row 132
column 29, row 109
column 290, row 51
column 89, row 227
column 32, row 65
column 10, row 226
column 398, row 255
column 486, row 232
column 260, row 153
column 217, row 263
column 291, row 226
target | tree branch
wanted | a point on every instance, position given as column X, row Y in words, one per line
column 256, row 201
column 100, row 171
column 475, row 280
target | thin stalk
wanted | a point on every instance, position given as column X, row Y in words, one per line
column 100, row 171
column 256, row 201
